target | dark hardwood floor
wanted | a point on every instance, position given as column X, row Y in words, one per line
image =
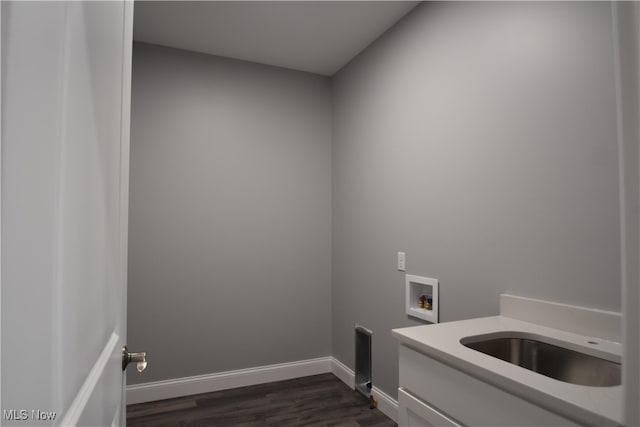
column 320, row 400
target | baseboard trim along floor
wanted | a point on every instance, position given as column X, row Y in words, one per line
column 168, row 389
column 386, row 404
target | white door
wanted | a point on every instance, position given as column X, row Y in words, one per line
column 66, row 70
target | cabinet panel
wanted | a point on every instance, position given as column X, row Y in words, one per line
column 413, row 412
column 469, row 400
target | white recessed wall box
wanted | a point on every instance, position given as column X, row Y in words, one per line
column 422, row 297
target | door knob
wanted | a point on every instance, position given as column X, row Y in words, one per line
column 140, row 359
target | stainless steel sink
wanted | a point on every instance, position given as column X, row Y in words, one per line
column 549, row 360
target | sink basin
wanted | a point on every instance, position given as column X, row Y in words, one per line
column 547, row 359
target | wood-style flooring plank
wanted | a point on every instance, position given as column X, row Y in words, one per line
column 316, row 401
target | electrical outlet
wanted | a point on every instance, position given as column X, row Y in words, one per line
column 401, row 261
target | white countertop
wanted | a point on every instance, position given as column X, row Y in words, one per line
column 587, row 405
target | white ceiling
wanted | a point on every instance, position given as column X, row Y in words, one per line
column 315, row 36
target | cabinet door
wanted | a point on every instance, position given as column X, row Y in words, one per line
column 413, row 412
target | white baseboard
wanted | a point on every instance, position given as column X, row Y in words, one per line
column 343, row 372
column 386, row 404
column 168, row 389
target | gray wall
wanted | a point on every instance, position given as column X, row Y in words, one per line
column 480, row 138
column 628, row 32
column 230, row 215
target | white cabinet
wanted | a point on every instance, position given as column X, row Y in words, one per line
column 413, row 412
column 434, row 394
